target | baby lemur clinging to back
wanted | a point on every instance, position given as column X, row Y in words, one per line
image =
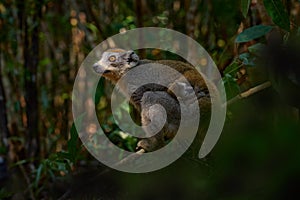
column 114, row 63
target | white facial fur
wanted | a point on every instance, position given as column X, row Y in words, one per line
column 116, row 60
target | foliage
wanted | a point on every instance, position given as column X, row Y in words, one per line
column 278, row 13
column 253, row 33
column 245, row 4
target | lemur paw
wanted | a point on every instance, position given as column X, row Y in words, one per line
column 150, row 144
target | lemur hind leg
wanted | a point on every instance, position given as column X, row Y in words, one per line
column 159, row 125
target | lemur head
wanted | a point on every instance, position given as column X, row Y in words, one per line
column 116, row 62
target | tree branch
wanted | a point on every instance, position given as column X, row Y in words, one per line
column 248, row 93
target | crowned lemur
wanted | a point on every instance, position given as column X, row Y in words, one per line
column 114, row 63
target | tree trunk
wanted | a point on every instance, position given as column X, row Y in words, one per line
column 139, row 10
column 31, row 59
column 4, row 132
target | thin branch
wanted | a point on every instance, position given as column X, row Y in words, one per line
column 249, row 92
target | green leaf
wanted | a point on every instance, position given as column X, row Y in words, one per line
column 231, row 86
column 64, row 155
column 247, row 59
column 38, row 175
column 44, row 62
column 257, row 49
column 253, row 33
column 100, row 91
column 277, row 12
column 61, row 166
column 93, row 28
column 72, row 143
column 232, row 68
column 245, row 7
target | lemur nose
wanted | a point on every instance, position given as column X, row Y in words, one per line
column 95, row 65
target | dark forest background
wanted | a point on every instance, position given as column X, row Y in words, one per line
column 254, row 43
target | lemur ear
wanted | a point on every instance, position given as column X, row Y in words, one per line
column 133, row 56
column 132, row 59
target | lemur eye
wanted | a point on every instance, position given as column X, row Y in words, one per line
column 112, row 58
